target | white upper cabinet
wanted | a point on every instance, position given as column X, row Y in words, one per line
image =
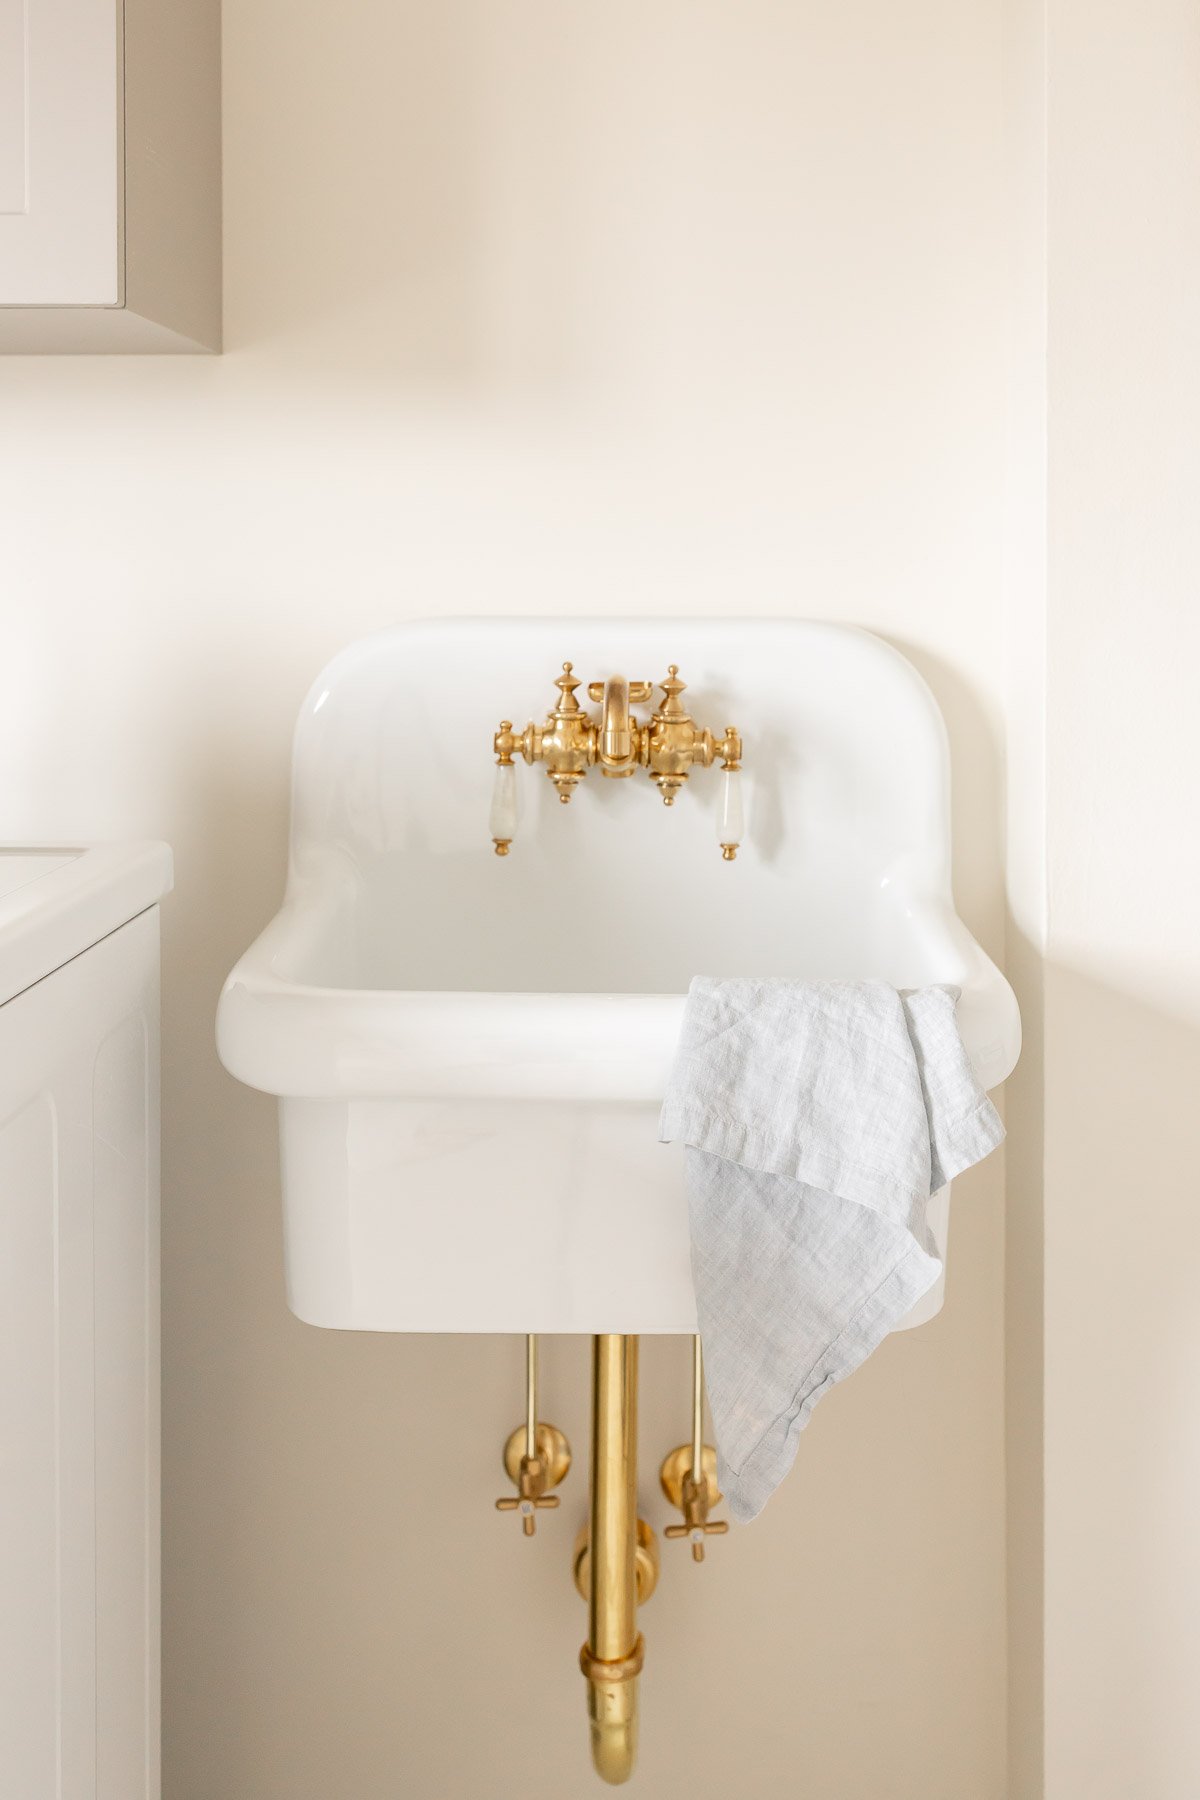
column 110, row 160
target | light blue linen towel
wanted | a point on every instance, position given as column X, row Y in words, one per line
column 819, row 1118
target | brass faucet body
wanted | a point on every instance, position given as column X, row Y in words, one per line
column 674, row 742
column 570, row 742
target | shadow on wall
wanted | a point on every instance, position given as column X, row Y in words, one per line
column 1099, row 1227
column 1122, row 1239
column 1023, row 1106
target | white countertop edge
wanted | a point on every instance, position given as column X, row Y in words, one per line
column 54, row 917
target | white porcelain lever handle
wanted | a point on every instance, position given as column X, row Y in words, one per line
column 731, row 824
column 502, row 820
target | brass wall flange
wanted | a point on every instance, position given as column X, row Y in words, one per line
column 553, row 1452
column 678, row 1463
column 647, row 1563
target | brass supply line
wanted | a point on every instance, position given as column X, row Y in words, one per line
column 612, row 1657
column 697, row 1407
column 531, row 1363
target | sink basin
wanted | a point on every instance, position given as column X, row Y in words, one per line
column 470, row 1051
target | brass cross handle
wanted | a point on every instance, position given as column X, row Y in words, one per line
column 695, row 1498
column 536, row 1455
column 533, row 1476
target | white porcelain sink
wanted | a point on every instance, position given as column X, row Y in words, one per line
column 470, row 1051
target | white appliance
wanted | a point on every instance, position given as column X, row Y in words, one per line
column 79, row 1428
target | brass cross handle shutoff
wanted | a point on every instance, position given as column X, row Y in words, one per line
column 536, row 1455
column 695, row 1498
column 689, row 1474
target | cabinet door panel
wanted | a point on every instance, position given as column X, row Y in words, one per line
column 29, row 1654
column 79, row 1377
column 60, row 152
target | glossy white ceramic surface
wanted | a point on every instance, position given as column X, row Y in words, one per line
column 470, row 1050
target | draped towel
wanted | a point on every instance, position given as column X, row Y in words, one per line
column 819, row 1118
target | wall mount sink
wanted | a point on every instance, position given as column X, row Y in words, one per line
column 469, row 1052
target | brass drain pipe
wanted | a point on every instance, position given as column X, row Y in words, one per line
column 612, row 1657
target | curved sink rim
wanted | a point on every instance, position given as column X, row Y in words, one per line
column 301, row 1040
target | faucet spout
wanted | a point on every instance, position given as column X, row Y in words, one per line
column 618, row 751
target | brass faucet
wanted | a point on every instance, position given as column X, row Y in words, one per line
column 668, row 746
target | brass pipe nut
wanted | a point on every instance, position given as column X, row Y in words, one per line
column 628, row 1668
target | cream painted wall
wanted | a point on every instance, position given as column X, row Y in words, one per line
column 560, row 309
column 1122, row 1200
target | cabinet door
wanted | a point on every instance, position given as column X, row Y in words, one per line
column 60, row 152
column 79, row 1478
